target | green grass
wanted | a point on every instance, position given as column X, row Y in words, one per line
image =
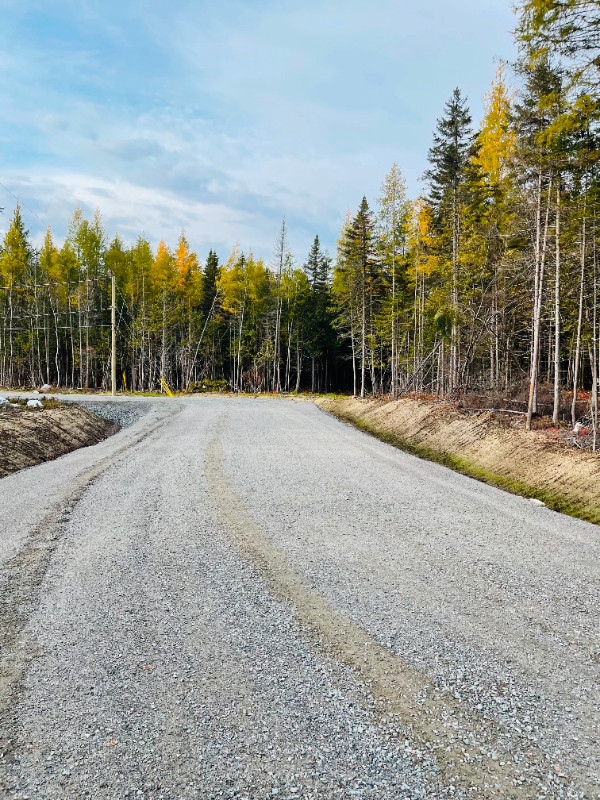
column 554, row 500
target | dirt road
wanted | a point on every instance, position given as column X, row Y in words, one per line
column 246, row 598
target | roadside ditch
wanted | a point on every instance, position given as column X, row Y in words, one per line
column 32, row 435
column 532, row 464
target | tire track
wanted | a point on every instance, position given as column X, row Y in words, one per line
column 25, row 574
column 468, row 747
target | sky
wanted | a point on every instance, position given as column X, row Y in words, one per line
column 221, row 118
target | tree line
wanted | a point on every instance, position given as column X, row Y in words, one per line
column 488, row 283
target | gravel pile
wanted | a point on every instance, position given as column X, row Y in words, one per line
column 123, row 413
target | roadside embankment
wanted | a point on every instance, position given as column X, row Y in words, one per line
column 476, row 444
column 29, row 436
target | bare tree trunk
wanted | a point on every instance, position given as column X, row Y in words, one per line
column 239, row 353
column 540, row 261
column 87, row 333
column 81, row 381
column 142, row 371
column 416, row 310
column 454, row 334
column 354, row 376
column 421, row 353
column 72, row 342
column 57, row 341
column 496, row 333
column 594, row 408
column 288, row 367
column 280, row 254
column 277, row 353
column 393, row 354
column 163, row 352
column 298, row 367
column 579, row 320
column 47, row 346
column 363, row 334
column 555, row 410
column 11, row 360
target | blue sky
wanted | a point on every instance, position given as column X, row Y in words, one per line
column 221, row 117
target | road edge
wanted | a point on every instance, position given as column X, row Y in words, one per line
column 581, row 508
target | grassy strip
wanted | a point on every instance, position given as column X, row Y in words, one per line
column 556, row 501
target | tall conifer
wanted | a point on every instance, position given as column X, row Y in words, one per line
column 453, row 144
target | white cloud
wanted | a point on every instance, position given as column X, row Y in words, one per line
column 131, row 210
column 220, row 118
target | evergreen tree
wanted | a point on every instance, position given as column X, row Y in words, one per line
column 317, row 267
column 359, row 259
column 450, row 155
column 211, row 272
column 319, row 336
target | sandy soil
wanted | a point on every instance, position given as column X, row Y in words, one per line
column 31, row 436
column 532, row 464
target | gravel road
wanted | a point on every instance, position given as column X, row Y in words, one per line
column 239, row 597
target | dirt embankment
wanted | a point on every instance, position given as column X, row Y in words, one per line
column 31, row 436
column 477, row 444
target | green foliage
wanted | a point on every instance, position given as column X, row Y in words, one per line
column 16, row 253
column 211, row 272
column 567, row 28
column 433, row 295
column 451, row 151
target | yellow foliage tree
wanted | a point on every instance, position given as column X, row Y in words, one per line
column 163, row 272
column 497, row 138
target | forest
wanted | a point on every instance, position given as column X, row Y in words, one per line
column 486, row 285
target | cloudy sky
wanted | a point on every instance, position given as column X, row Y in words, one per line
column 221, row 117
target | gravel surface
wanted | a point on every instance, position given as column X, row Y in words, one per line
column 122, row 412
column 246, row 598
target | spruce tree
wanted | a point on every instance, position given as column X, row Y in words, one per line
column 360, row 256
column 452, row 143
column 319, row 330
column 450, row 155
column 211, row 271
column 313, row 264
